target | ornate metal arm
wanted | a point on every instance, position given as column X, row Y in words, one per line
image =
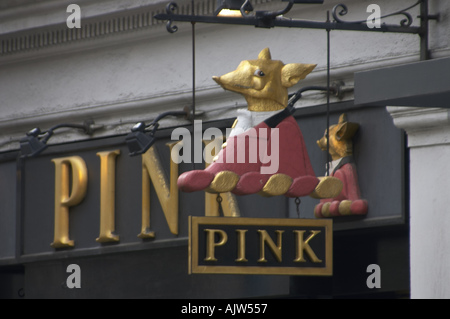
column 269, row 19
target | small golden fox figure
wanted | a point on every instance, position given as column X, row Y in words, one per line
column 349, row 201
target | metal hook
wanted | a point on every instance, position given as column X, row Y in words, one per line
column 219, row 201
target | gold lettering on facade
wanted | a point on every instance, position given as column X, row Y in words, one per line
column 211, row 244
column 107, row 196
column 67, row 194
column 276, row 249
column 241, row 245
column 303, row 245
column 153, row 171
column 230, row 207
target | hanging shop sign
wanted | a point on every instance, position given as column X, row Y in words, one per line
column 90, row 197
column 270, row 246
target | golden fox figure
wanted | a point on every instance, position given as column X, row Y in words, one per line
column 283, row 166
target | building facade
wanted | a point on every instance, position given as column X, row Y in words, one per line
column 126, row 227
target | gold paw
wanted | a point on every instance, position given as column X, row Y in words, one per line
column 223, row 182
column 328, row 187
column 277, row 184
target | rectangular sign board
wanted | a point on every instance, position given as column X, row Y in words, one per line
column 270, row 246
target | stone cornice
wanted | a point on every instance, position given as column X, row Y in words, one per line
column 418, row 118
column 424, row 126
column 57, row 34
column 26, row 29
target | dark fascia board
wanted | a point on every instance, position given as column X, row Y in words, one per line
column 421, row 84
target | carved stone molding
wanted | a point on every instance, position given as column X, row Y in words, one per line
column 424, row 126
column 94, row 27
column 41, row 36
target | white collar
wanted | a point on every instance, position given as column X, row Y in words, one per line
column 247, row 119
column 333, row 165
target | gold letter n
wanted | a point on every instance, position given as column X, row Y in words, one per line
column 167, row 194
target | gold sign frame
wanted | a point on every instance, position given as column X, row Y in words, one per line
column 196, row 223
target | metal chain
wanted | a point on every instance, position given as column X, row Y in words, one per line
column 297, row 203
column 219, row 201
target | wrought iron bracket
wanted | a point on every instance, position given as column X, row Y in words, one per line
column 268, row 19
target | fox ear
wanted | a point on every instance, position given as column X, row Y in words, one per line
column 294, row 72
column 265, row 54
column 346, row 130
column 342, row 118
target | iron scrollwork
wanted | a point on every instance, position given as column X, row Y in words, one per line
column 170, row 9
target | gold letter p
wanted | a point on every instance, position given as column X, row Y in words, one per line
column 67, row 195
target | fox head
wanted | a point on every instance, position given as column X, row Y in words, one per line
column 264, row 82
column 340, row 135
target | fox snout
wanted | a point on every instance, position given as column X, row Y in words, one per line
column 244, row 79
column 335, row 144
column 228, row 84
column 322, row 143
column 217, row 79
